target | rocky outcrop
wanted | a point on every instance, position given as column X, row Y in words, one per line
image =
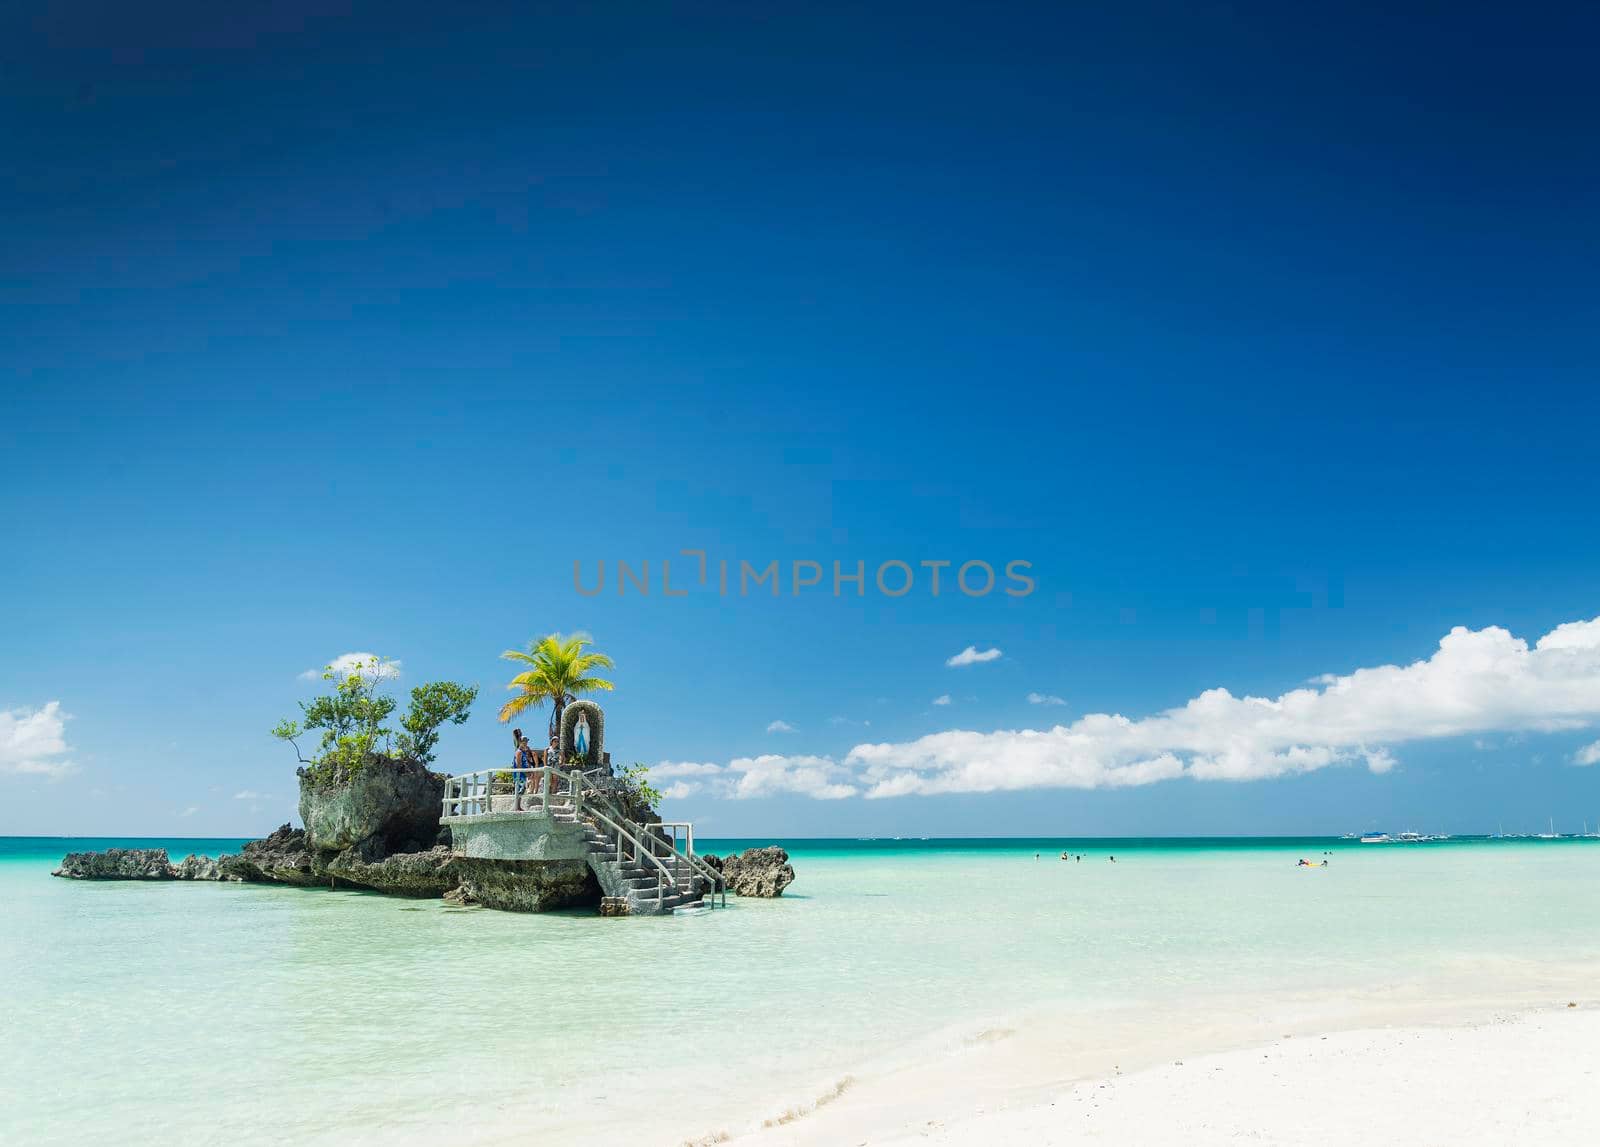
column 625, row 798
column 118, row 864
column 281, row 858
column 429, row 873
column 378, row 828
column 140, row 864
column 391, row 804
column 763, row 872
column 527, row 885
column 194, row 867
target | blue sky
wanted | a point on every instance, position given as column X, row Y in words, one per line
column 1266, row 337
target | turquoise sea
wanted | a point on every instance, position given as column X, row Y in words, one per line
column 178, row 1013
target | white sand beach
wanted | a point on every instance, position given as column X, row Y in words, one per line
column 1513, row 1076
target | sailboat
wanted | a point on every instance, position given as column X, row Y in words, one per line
column 1552, row 834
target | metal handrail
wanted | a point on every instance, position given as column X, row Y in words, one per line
column 637, row 846
column 718, row 883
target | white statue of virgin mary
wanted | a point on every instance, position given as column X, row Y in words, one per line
column 580, row 735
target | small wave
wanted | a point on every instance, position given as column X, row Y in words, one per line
column 844, row 1084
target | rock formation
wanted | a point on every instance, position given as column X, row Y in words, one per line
column 194, row 867
column 431, row 872
column 118, row 864
column 390, row 804
column 376, row 828
column 379, row 829
column 281, row 858
column 526, row 885
column 763, row 872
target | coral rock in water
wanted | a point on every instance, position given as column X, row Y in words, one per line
column 118, row 864
column 392, row 803
column 763, row 872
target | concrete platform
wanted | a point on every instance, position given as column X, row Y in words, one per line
column 515, row 836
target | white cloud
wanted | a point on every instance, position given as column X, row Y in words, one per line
column 1045, row 699
column 971, row 656
column 1477, row 681
column 684, row 769
column 772, row 774
column 1379, row 760
column 695, row 776
column 780, row 727
column 247, row 795
column 34, row 742
column 822, row 778
column 190, row 811
column 341, row 666
column 837, row 721
column 942, row 699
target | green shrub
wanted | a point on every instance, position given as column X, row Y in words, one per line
column 351, row 721
column 635, row 782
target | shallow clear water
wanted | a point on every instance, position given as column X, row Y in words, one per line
column 178, row 1012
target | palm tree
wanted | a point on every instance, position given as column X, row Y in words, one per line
column 558, row 670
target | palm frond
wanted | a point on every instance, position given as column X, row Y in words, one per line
column 560, row 666
column 515, row 706
column 588, row 685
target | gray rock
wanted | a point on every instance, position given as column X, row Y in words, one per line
column 118, row 864
column 615, row 906
column 390, row 802
column 194, row 867
column 142, row 864
column 762, row 872
column 282, row 858
column 527, row 885
column 430, row 873
column 627, row 801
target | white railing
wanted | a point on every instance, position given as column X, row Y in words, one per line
column 641, row 851
column 473, row 794
column 715, row 880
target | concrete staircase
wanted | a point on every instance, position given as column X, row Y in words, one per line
column 648, row 890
